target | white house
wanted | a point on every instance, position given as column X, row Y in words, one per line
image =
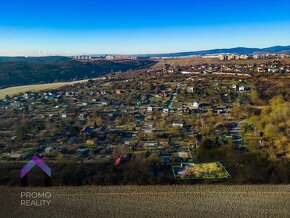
column 190, row 89
column 243, row 88
column 149, row 109
column 190, row 72
column 15, row 156
column 165, row 110
column 48, row 149
column 177, row 123
column 195, row 105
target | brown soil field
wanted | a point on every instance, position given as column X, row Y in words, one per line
column 152, row 201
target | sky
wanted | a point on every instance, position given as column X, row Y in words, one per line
column 62, row 27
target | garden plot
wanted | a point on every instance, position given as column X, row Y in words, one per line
column 213, row 170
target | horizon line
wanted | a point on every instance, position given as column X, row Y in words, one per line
column 133, row 54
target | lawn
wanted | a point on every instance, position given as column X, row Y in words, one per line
column 20, row 89
column 213, row 170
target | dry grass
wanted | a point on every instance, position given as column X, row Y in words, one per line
column 19, row 89
column 195, row 61
column 153, row 201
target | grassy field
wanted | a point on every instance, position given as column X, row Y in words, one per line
column 19, row 89
column 152, row 201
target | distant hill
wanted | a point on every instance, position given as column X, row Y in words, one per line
column 46, row 59
column 237, row 50
column 30, row 72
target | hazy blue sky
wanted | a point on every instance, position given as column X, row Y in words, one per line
column 145, row 26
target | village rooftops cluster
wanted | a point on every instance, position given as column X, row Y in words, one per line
column 162, row 115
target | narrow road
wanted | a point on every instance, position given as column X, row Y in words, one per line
column 236, row 134
column 174, row 93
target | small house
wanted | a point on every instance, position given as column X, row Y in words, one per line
column 48, row 149
column 195, row 105
column 177, row 123
column 149, row 109
column 15, row 156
